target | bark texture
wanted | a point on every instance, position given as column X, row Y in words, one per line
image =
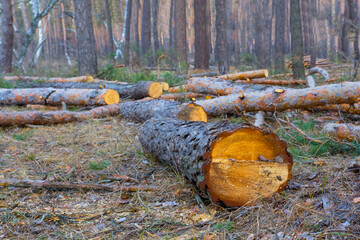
column 146, row 31
column 7, row 37
column 281, row 99
column 246, row 75
column 140, row 111
column 279, row 34
column 46, row 79
column 127, row 33
column 52, row 96
column 234, row 164
column 202, row 54
column 296, row 40
column 348, row 132
column 180, row 33
column 135, row 91
column 221, row 37
column 272, row 82
column 85, row 39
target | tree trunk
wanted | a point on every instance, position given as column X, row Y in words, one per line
column 53, row 97
column 353, row 6
column 345, row 30
column 171, row 24
column 180, row 35
column 146, row 32
column 305, row 26
column 155, row 17
column 137, row 51
column 85, row 39
column 7, row 37
column 279, row 99
column 235, row 164
column 64, row 34
column 127, row 33
column 246, row 75
column 202, row 53
column 25, row 15
column 140, row 111
column 221, row 36
column 110, row 30
column 279, row 53
column 296, row 40
column 312, row 17
column 135, row 91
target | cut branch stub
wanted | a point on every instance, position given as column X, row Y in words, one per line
column 236, row 164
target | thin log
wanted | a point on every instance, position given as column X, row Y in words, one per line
column 52, row 96
column 134, row 91
column 263, row 73
column 281, row 99
column 346, row 108
column 71, row 185
column 42, row 107
column 321, row 71
column 141, row 111
column 46, row 79
column 236, row 164
column 259, row 119
column 272, row 82
column 181, row 96
column 310, row 82
column 348, row 132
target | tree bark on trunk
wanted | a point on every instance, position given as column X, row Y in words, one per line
column 180, row 35
column 221, row 36
column 85, row 39
column 345, row 30
column 134, row 91
column 246, row 75
column 54, row 97
column 280, row 99
column 312, row 17
column 127, row 33
column 234, row 164
column 296, row 40
column 155, row 17
column 110, row 30
column 279, row 34
column 7, row 37
column 202, row 53
column 146, row 33
column 64, row 34
column 171, row 24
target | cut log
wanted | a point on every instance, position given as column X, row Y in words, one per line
column 181, row 96
column 140, row 111
column 281, row 99
column 42, row 107
column 236, row 164
column 348, row 132
column 346, row 108
column 52, row 96
column 263, row 73
column 55, row 117
column 46, row 79
column 135, row 90
column 272, row 82
column 165, row 86
column 321, row 71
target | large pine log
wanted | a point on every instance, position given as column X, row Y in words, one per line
column 282, row 99
column 135, row 90
column 236, row 164
column 272, row 82
column 141, row 111
column 216, row 86
column 137, row 111
column 46, row 79
column 346, row 108
column 263, row 73
column 52, row 96
column 348, row 132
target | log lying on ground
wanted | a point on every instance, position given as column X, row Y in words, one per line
column 135, row 90
column 272, row 82
column 346, row 108
column 215, row 86
column 263, row 73
column 321, row 71
column 46, row 79
column 282, row 99
column 141, row 111
column 181, row 96
column 165, row 86
column 42, row 107
column 348, row 132
column 52, row 96
column 235, row 164
column 55, row 117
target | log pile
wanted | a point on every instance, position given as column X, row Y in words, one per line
column 263, row 73
column 235, row 164
column 46, row 79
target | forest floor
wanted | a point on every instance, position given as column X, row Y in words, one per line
column 322, row 200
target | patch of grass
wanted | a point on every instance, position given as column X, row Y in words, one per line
column 109, row 72
column 23, row 136
column 171, row 79
column 5, row 84
column 99, row 166
column 228, row 226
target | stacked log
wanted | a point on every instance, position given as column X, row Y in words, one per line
column 236, row 164
column 134, row 91
column 262, row 73
column 52, row 96
column 46, row 79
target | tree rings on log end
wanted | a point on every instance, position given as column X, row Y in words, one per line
column 165, row 86
column 266, row 73
column 111, row 97
column 193, row 112
column 245, row 165
column 155, row 90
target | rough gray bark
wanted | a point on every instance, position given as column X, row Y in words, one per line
column 296, row 40
column 279, row 34
column 171, row 24
column 155, row 17
column 221, row 36
column 353, row 6
column 110, row 29
column 134, row 91
column 202, row 53
column 7, row 37
column 260, row 29
column 127, row 33
column 146, row 32
column 180, row 34
column 140, row 111
column 85, row 38
column 305, row 26
column 186, row 147
column 345, row 30
column 136, row 30
column 312, row 13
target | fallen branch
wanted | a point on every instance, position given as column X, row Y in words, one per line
column 346, row 108
column 321, row 71
column 272, row 82
column 263, row 73
column 348, row 132
column 52, row 96
column 72, row 185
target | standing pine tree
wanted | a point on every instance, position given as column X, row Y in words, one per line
column 296, row 40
